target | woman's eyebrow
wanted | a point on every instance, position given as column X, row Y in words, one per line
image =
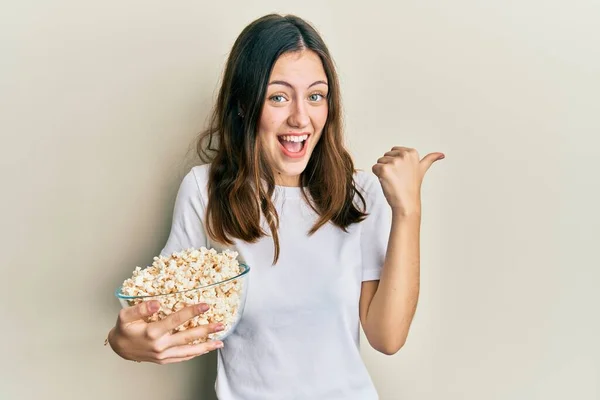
column 284, row 83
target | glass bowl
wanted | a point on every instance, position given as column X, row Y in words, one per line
column 226, row 301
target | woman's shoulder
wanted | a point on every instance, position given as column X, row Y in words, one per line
column 200, row 174
column 365, row 181
column 195, row 182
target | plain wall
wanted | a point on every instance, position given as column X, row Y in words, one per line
column 100, row 104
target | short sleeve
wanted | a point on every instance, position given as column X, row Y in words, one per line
column 187, row 228
column 376, row 228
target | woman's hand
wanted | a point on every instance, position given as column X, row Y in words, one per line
column 401, row 172
column 134, row 339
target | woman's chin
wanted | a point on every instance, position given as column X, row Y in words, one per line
column 289, row 173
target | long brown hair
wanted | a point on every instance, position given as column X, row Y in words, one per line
column 241, row 183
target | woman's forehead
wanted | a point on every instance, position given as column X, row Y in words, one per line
column 299, row 69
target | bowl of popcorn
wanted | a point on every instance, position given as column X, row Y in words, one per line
column 190, row 277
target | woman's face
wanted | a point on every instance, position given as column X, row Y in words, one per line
column 293, row 115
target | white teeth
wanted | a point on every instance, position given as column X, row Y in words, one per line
column 295, row 138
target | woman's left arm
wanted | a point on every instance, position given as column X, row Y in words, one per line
column 387, row 306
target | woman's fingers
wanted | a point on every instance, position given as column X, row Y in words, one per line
column 139, row 311
column 174, row 360
column 189, row 335
column 160, row 328
column 188, row 351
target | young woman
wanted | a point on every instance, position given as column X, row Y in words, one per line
column 330, row 247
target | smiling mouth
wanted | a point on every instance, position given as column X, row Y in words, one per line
column 293, row 143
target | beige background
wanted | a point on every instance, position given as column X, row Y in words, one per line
column 101, row 100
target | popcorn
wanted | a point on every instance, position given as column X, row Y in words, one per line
column 173, row 278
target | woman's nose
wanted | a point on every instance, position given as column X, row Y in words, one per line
column 299, row 116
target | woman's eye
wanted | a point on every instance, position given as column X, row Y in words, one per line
column 315, row 97
column 277, row 98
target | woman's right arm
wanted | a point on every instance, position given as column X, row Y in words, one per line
column 134, row 339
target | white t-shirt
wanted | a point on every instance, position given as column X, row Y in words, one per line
column 298, row 337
